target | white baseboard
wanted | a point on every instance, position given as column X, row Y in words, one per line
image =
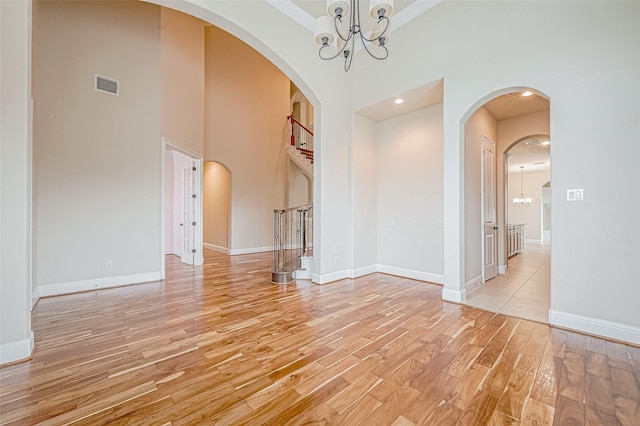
column 473, row 283
column 532, row 241
column 410, row 273
column 17, row 350
column 331, row 277
column 97, row 283
column 214, row 247
column 361, row 272
column 599, row 327
column 250, row 250
column 456, row 296
column 502, row 269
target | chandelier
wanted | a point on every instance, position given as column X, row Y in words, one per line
column 331, row 31
column 522, row 202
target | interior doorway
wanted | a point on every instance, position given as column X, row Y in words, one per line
column 521, row 287
column 182, row 204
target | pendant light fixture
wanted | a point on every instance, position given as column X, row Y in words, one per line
column 522, row 202
column 331, row 31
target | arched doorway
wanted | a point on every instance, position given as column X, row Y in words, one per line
column 505, row 118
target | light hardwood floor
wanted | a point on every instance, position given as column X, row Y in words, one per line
column 219, row 344
column 524, row 291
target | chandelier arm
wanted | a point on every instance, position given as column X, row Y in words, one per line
column 380, row 58
column 381, row 34
column 349, row 35
column 332, row 57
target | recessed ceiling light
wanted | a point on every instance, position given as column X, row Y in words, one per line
column 545, row 143
column 399, row 101
column 527, row 93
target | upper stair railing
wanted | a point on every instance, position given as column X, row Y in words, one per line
column 301, row 138
column 292, row 240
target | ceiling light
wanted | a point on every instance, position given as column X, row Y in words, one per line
column 527, row 93
column 522, row 202
column 398, row 101
column 545, row 143
column 330, row 30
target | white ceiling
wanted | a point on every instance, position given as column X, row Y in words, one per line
column 514, row 105
column 530, row 153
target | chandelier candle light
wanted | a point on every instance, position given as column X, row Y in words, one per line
column 522, row 202
column 331, row 31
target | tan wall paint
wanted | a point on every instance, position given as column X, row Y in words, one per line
column 246, row 109
column 480, row 123
column 532, row 215
column 216, row 204
column 182, row 64
column 98, row 156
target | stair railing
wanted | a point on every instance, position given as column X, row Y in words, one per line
column 301, row 138
column 292, row 239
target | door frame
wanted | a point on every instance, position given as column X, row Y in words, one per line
column 198, row 257
column 486, row 139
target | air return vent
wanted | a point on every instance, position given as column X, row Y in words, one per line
column 106, row 85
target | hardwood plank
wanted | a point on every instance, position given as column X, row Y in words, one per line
column 537, row 414
column 568, row 412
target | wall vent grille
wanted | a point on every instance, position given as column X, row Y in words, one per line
column 106, row 85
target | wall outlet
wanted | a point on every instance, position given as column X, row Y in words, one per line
column 336, row 260
column 439, row 224
column 108, row 265
column 392, row 222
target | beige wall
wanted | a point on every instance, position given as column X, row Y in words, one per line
column 480, row 123
column 97, row 156
column 216, row 204
column 532, row 215
column 246, row 109
column 182, row 65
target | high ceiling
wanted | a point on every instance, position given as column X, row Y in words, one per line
column 514, row 105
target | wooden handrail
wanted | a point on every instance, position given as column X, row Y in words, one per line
column 293, row 120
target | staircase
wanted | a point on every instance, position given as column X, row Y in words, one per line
column 300, row 147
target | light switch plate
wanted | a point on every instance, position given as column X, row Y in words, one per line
column 575, row 194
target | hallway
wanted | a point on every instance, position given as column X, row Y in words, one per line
column 524, row 291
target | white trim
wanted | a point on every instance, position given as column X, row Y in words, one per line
column 331, row 277
column 214, row 247
column 250, row 250
column 410, row 273
column 361, row 272
column 17, row 350
column 412, row 11
column 98, row 283
column 294, row 12
column 35, row 297
column 599, row 327
column 473, row 283
column 454, row 295
column 502, row 269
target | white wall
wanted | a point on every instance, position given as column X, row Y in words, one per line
column 98, row 156
column 410, row 197
column 364, row 195
column 532, row 215
column 16, row 337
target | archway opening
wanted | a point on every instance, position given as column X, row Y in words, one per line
column 492, row 276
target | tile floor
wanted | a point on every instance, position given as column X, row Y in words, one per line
column 523, row 291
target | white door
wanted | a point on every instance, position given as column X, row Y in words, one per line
column 188, row 224
column 489, row 208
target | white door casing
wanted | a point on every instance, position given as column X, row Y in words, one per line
column 490, row 230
